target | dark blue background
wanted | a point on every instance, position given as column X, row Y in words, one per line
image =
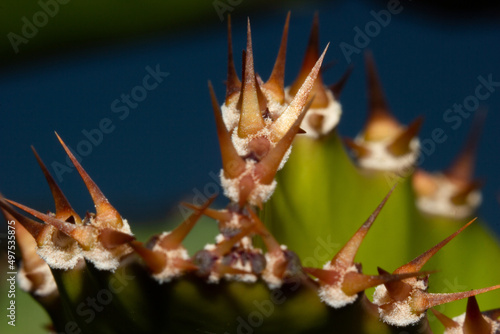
column 165, row 149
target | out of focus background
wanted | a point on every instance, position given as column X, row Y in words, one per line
column 78, row 68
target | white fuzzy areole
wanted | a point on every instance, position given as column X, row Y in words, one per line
column 245, row 278
column 48, row 287
column 260, row 194
column 401, row 314
column 331, row 116
column 58, row 257
column 272, row 259
column 108, row 259
column 333, row 294
column 170, row 271
column 440, row 204
column 381, row 159
column 495, row 325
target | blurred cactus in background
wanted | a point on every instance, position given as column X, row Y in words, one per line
column 322, row 234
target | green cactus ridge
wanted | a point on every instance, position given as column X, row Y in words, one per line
column 327, row 237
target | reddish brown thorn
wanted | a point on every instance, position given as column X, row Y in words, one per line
column 448, row 323
column 345, row 257
column 246, row 186
column 417, row 263
column 310, row 57
column 174, row 239
column 379, row 121
column 398, row 290
column 300, row 103
column 329, row 277
column 233, row 84
column 33, row 227
column 359, row 150
column 155, row 261
column 428, row 300
column 225, row 246
column 337, row 87
column 276, row 82
column 112, row 238
column 251, row 120
column 462, row 169
column 25, row 241
column 474, row 322
column 219, row 215
column 106, row 214
column 401, row 145
column 63, row 208
column 355, row 282
column 82, row 234
column 272, row 245
column 232, row 163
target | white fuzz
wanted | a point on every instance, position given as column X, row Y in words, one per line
column 381, row 159
column 495, row 325
column 259, row 194
column 246, row 278
column 331, row 116
column 59, row 251
column 333, row 294
column 170, row 271
column 48, row 286
column 230, row 115
column 440, row 204
column 401, row 313
column 273, row 259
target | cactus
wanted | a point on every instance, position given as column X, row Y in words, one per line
column 299, row 225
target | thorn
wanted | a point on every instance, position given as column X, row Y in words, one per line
column 222, row 270
column 310, row 57
column 462, row 169
column 269, row 165
column 428, row 300
column 232, row 163
column 233, row 84
column 354, row 282
column 63, row 208
column 401, row 145
column 276, row 82
column 155, row 261
column 398, row 290
column 106, row 214
column 251, row 120
column 82, row 234
column 174, row 239
column 345, row 257
column 424, row 183
column 329, row 277
column 474, row 321
column 246, row 186
column 359, row 150
column 417, row 263
column 25, row 240
column 380, row 123
column 271, row 243
column 225, row 246
column 112, row 238
column 218, row 215
column 33, row 227
column 448, row 323
column 285, row 121
column 337, row 87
